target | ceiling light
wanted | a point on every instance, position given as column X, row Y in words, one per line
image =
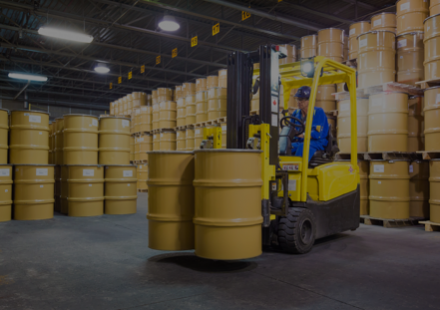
column 102, row 68
column 28, row 77
column 169, row 23
column 65, row 35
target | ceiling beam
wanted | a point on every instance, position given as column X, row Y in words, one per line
column 362, row 4
column 62, row 103
column 322, row 14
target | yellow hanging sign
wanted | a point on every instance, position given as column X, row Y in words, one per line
column 174, row 53
column 110, row 86
column 157, row 60
column 245, row 15
column 142, row 68
column 130, row 75
column 120, row 80
column 194, row 41
column 215, row 29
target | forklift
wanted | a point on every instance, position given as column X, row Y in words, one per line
column 301, row 200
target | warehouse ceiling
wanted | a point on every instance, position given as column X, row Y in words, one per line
column 126, row 36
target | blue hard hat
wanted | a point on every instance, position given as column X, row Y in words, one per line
column 303, row 92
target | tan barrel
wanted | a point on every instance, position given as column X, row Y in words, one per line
column 51, row 142
column 155, row 116
column 144, row 144
column 223, row 78
column 181, row 112
column 189, row 141
column 136, row 121
column 167, row 140
column 114, row 141
column 198, row 137
column 142, row 176
column 325, row 99
column 227, row 204
column 419, row 189
column 57, row 188
column 376, row 58
column 200, row 85
column 167, row 114
column 156, row 142
column 432, row 46
column 364, row 171
column 309, row 46
column 344, row 125
column 434, row 7
column 434, row 190
column 331, row 43
column 145, row 119
column 116, row 107
column 212, row 81
column 178, row 92
column 389, row 189
column 139, row 99
column 410, row 56
column 64, row 190
column 86, row 190
column 5, row 192
column 120, row 189
column 189, row 89
column 154, row 97
column 129, row 104
column 290, row 56
column 4, row 128
column 132, row 148
column 59, row 141
column 384, row 22
column 355, row 30
column 415, row 124
column 29, row 141
column 201, row 106
column 112, row 108
column 388, row 122
column 181, row 140
column 81, row 139
column 171, row 201
column 33, row 192
column 410, row 15
column 217, row 103
column 164, row 94
column 346, row 50
column 190, row 110
column 432, row 116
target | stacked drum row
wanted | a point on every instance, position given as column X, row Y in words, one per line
column 127, row 104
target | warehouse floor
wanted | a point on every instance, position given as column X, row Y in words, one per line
column 105, row 263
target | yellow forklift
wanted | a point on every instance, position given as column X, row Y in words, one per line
column 301, row 201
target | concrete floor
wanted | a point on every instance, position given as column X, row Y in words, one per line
column 105, row 263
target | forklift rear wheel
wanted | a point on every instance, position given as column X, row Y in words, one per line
column 296, row 232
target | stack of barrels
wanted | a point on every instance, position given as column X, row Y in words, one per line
column 164, row 119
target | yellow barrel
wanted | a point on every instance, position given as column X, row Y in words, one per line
column 142, row 176
column 167, row 140
column 181, row 112
column 344, row 125
column 201, row 106
column 223, row 78
column 57, row 188
column 432, row 46
column 85, row 190
column 188, row 89
column 33, row 192
column 112, row 108
column 388, row 122
column 432, row 116
column 145, row 119
column 224, row 127
column 29, row 142
column 50, row 143
column 155, row 116
column 167, row 114
column 120, row 189
column 136, row 121
column 64, row 190
column 198, row 137
column 211, row 81
column 4, row 128
column 189, row 139
column 410, row 56
column 376, row 58
column 132, row 147
column 171, row 201
column 434, row 7
column 419, row 189
column 309, row 46
column 228, row 204
column 114, row 141
column 364, row 171
column 181, row 140
column 434, row 190
column 384, row 22
column 144, row 144
column 190, row 110
column 331, row 43
column 217, row 103
column 389, row 189
column 325, row 99
column 200, row 85
column 415, row 124
column 355, row 30
column 81, row 139
column 139, row 99
column 178, row 91
column 156, row 142
column 5, row 192
column 410, row 15
column 164, row 94
column 116, row 107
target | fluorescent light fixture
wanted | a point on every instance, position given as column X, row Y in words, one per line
column 65, row 35
column 169, row 23
column 101, row 68
column 28, row 77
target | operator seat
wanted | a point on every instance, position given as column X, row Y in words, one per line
column 326, row 156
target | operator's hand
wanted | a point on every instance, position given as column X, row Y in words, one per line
column 301, row 136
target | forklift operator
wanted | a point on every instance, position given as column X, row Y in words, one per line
column 320, row 127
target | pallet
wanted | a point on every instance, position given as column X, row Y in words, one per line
column 183, row 127
column 389, row 223
column 256, row 112
column 347, row 156
column 391, row 155
column 332, row 114
column 220, row 120
column 156, row 131
column 428, row 83
column 142, row 190
column 428, row 155
column 390, row 86
column 430, row 226
column 140, row 162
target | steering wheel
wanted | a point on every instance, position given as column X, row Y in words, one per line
column 286, row 121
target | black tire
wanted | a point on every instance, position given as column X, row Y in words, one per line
column 297, row 231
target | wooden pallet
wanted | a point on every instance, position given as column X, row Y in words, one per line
column 140, row 162
column 347, row 156
column 220, row 120
column 390, row 86
column 428, row 83
column 391, row 155
column 389, row 223
column 256, row 112
column 430, row 226
column 428, row 155
column 332, row 114
column 142, row 190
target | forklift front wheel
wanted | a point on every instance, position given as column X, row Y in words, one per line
column 296, row 232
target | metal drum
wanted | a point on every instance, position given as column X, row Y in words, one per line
column 217, row 103
column 355, row 30
column 190, row 110
column 139, row 99
column 432, row 47
column 4, row 128
column 376, row 58
column 120, row 189
column 432, row 116
column 415, row 124
column 434, row 7
column 33, row 192
column 155, row 116
column 81, row 139
column 164, row 94
column 331, row 43
column 85, row 190
column 224, row 127
column 136, row 121
column 167, row 114
column 389, row 189
column 145, row 119
column 410, row 56
column 344, row 125
column 181, row 112
column 419, row 189
column 410, row 15
column 156, row 142
column 198, row 137
column 309, row 46
column 200, row 85
column 189, row 135
column 223, row 78
column 142, row 176
column 201, row 106
column 181, row 140
column 50, row 142
column 211, row 81
column 144, row 144
column 57, row 188
column 64, row 190
column 5, row 192
column 388, row 122
column 114, row 141
column 178, row 92
column 167, row 140
column 434, row 190
column 228, row 204
column 189, row 89
column 171, row 201
column 29, row 141
column 325, row 99
column 132, row 148
column 364, row 171
column 384, row 22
